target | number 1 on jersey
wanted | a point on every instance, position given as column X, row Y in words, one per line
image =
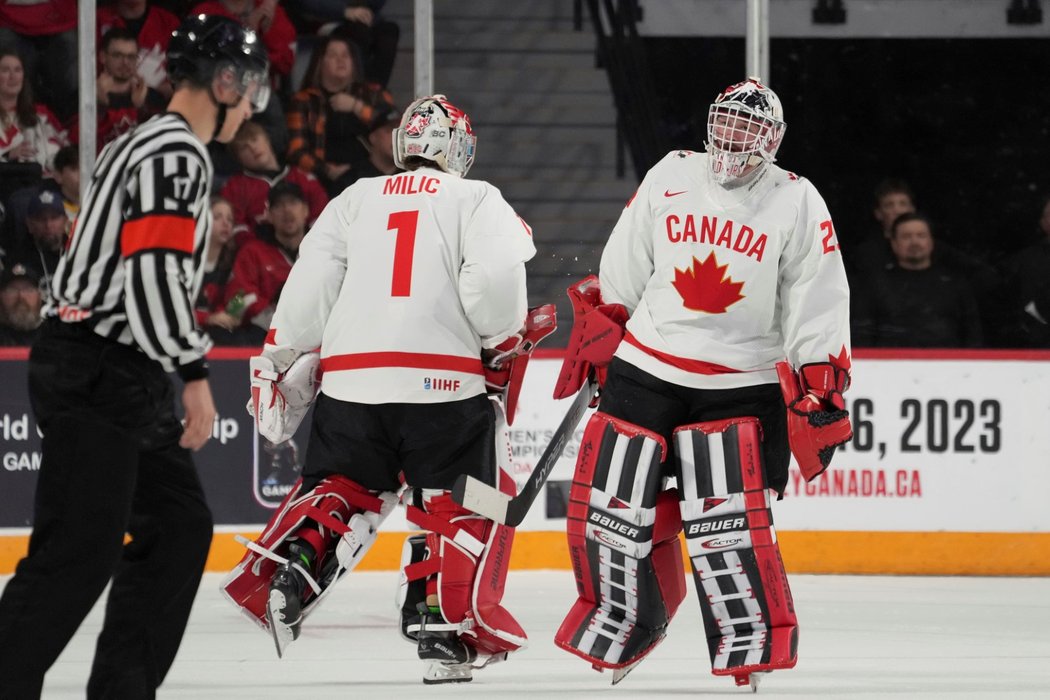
column 404, row 223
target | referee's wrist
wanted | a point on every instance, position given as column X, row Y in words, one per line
column 192, row 371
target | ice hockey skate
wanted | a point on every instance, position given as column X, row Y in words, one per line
column 284, row 607
column 450, row 659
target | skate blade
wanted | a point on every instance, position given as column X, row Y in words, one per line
column 620, row 673
column 283, row 634
column 750, row 679
column 438, row 673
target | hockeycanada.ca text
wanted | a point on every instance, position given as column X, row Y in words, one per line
column 860, row 483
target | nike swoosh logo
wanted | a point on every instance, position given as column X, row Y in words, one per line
column 669, row 193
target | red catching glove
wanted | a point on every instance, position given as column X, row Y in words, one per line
column 597, row 330
column 816, row 416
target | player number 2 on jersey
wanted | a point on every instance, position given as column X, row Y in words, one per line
column 830, row 241
column 404, row 224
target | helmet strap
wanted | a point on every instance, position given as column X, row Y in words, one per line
column 220, row 119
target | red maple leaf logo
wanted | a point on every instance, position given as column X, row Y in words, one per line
column 705, row 286
column 842, row 361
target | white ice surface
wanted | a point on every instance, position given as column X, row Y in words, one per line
column 861, row 637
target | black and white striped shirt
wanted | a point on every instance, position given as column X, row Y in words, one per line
column 135, row 258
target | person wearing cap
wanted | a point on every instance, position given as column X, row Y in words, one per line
column 262, row 265
column 20, row 304
column 47, row 226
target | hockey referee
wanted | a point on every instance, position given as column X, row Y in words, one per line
column 116, row 459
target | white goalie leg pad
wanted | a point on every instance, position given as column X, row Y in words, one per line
column 623, row 541
column 745, row 600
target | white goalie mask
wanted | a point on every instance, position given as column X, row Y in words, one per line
column 745, row 126
column 436, row 130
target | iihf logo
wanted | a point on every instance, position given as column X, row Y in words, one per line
column 437, row 384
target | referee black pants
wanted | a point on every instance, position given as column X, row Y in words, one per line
column 111, row 466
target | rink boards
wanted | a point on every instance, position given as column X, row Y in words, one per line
column 947, row 472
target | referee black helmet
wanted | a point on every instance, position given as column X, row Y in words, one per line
column 206, row 45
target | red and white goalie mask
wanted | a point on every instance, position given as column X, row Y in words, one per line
column 436, row 130
column 745, row 126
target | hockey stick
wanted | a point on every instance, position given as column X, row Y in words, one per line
column 492, row 503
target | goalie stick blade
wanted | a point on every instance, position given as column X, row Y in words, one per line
column 492, row 503
column 481, row 498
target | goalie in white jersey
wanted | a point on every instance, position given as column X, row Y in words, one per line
column 404, row 283
column 722, row 276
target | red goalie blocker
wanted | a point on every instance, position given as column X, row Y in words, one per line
column 597, row 329
column 816, row 415
column 505, row 364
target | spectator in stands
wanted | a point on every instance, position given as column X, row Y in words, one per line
column 331, row 115
column 362, row 22
column 66, row 185
column 914, row 302
column 29, row 132
column 124, row 98
column 67, row 179
column 247, row 191
column 20, row 304
column 47, row 226
column 380, row 148
column 262, row 265
column 212, row 313
column 43, row 32
column 270, row 21
column 152, row 27
column 872, row 254
column 1027, row 281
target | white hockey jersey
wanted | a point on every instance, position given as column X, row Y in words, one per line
column 401, row 282
column 722, row 283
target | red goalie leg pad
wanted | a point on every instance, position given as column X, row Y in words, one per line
column 318, row 516
column 745, row 600
column 472, row 557
column 623, row 544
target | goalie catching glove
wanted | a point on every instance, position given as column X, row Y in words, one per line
column 280, row 400
column 597, row 329
column 817, row 418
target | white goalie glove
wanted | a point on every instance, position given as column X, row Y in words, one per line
column 280, row 400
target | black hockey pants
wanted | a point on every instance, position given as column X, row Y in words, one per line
column 111, row 466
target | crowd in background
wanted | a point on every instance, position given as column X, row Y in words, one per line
column 911, row 288
column 329, row 125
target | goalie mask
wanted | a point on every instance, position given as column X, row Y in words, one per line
column 434, row 129
column 745, row 126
